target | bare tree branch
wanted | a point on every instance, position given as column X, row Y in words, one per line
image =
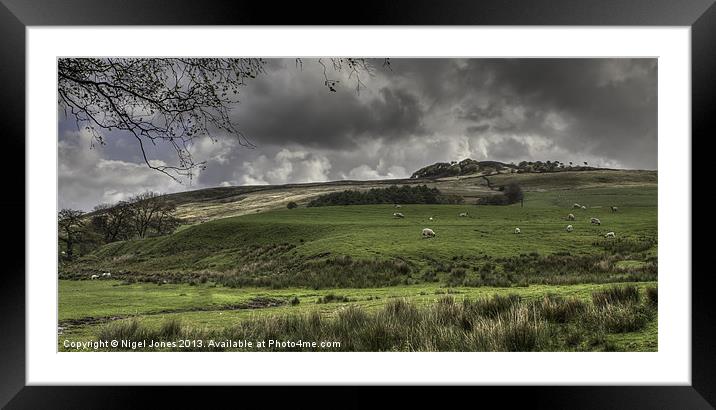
column 171, row 101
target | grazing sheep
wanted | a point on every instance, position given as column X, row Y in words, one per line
column 106, row 275
column 463, row 214
column 517, row 230
column 570, row 217
column 576, row 206
column 431, row 218
column 398, row 215
column 398, row 206
column 94, row 277
column 428, row 233
column 570, row 228
column 614, row 209
column 595, row 221
column 610, row 235
column 584, row 207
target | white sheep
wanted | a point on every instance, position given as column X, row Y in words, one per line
column 610, row 235
column 398, row 206
column 576, row 206
column 431, row 218
column 398, row 215
column 614, row 209
column 570, row 217
column 517, row 230
column 584, row 207
column 94, row 277
column 106, row 275
column 428, row 233
column 570, row 228
column 463, row 214
column 595, row 221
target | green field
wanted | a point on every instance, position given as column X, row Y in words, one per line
column 88, row 306
column 222, row 273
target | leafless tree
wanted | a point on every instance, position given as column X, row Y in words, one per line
column 113, row 221
column 145, row 207
column 70, row 226
column 170, row 100
column 164, row 221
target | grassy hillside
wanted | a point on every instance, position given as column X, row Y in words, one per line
column 223, row 202
column 366, row 246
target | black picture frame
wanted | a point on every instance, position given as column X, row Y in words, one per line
column 16, row 15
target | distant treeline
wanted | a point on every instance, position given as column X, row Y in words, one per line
column 470, row 166
column 392, row 195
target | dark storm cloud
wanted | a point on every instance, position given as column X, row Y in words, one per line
column 602, row 107
column 477, row 129
column 509, row 148
column 417, row 112
column 291, row 106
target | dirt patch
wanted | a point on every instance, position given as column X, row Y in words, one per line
column 85, row 321
column 258, row 302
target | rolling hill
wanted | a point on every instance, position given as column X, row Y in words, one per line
column 223, row 202
column 247, row 236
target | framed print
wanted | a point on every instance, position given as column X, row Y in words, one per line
column 476, row 195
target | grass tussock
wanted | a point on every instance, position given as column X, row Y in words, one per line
column 616, row 295
column 333, row 298
column 617, row 318
column 560, row 310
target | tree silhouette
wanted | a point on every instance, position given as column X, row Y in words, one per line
column 113, row 221
column 145, row 208
column 70, row 225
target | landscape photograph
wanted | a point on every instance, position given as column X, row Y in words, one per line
column 330, row 204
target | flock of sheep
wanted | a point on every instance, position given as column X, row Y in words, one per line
column 593, row 221
column 429, row 233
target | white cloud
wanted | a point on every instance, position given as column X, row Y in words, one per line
column 285, row 167
column 87, row 179
column 218, row 151
column 365, row 172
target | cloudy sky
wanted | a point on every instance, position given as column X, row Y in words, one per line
column 415, row 113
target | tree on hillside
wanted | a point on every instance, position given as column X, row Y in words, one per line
column 513, row 193
column 145, row 208
column 113, row 221
column 169, row 101
column 70, row 226
column 164, row 222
